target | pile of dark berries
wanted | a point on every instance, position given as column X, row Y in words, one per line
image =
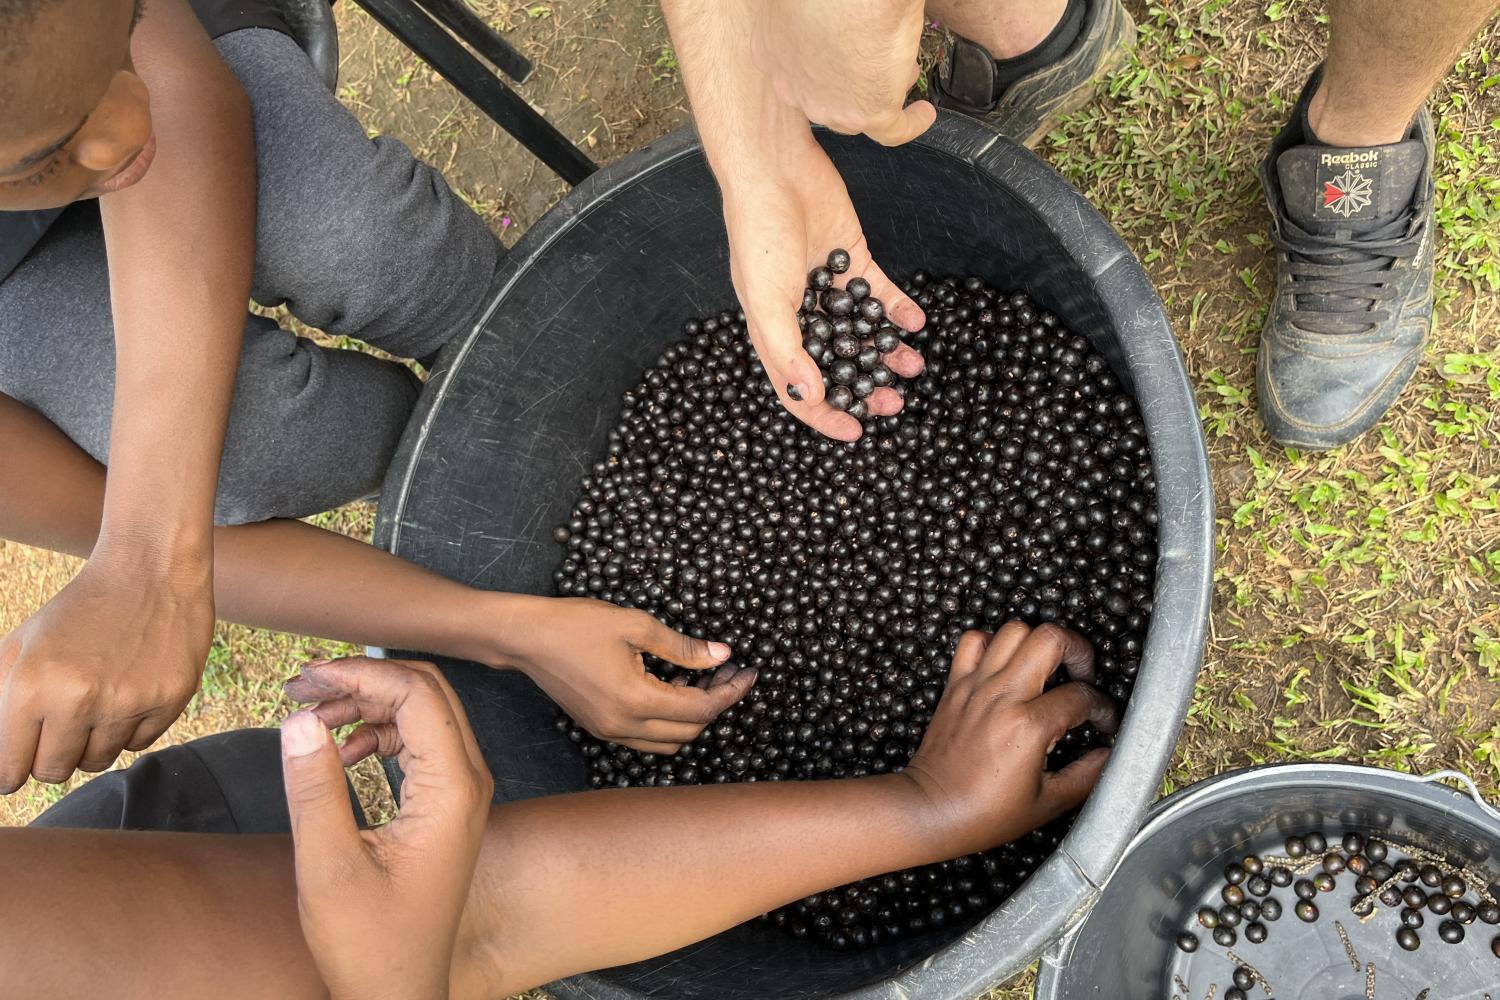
column 1313, row 867
column 846, row 332
column 1015, row 484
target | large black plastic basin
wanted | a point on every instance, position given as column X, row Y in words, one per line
column 519, row 409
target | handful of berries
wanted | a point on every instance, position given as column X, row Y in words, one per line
column 845, row 330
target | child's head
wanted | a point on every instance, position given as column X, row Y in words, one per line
column 75, row 120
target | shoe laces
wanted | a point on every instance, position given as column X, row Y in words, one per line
column 1339, row 281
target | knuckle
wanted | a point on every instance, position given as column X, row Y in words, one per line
column 51, row 774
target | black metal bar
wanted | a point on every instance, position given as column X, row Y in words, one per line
column 460, row 18
column 415, row 29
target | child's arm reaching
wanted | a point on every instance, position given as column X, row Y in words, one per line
column 561, row 884
column 292, row 576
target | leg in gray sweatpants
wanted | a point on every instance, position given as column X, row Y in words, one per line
column 356, row 237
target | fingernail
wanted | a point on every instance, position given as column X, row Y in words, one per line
column 302, row 733
column 719, row 651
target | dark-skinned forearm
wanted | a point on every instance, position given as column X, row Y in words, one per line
column 284, row 575
column 181, row 247
column 563, row 884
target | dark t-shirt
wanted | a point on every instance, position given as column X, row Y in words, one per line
column 21, row 231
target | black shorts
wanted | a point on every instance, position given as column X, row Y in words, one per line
column 227, row 783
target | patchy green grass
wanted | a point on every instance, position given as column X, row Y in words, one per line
column 1357, row 593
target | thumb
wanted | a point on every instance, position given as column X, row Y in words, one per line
column 323, row 824
column 685, row 651
column 904, row 125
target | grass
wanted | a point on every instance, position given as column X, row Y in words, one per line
column 1356, row 610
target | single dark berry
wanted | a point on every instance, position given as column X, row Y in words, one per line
column 1258, row 885
column 793, row 392
column 1250, row 910
column 1244, row 977
column 1463, row 911
column 1495, row 947
column 1187, row 942
column 1408, row 939
column 1359, row 864
column 843, row 372
column 862, row 385
column 1489, row 913
column 1375, row 850
column 838, row 260
column 1451, row 931
column 1390, row 896
column 1454, row 887
column 1234, row 874
column 1225, row 937
column 1413, row 897
column 1270, row 909
column 858, row 409
column 819, row 278
column 1208, row 917
column 859, row 288
column 1253, row 864
column 1230, row 916
column 1316, row 843
column 1296, row 847
column 1333, row 864
column 1412, row 918
column 1306, row 912
column 1233, row 895
column 1353, row 843
column 1281, row 877
column 561, row 534
column 837, row 302
column 1305, row 889
column 886, row 341
column 845, row 346
column 1234, row 993
column 1432, row 876
column 1439, row 903
column 1255, row 932
column 1324, row 882
column 840, row 397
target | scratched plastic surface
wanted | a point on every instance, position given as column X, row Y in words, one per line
column 518, row 410
column 1125, row 949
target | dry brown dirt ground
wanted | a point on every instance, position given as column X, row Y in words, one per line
column 1357, row 595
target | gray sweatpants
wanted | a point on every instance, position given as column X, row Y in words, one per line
column 356, row 237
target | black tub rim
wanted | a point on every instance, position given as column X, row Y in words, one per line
column 1059, row 894
column 1465, row 799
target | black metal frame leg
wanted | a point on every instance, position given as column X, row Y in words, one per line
column 417, row 30
column 463, row 22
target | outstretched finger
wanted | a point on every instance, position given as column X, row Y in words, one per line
column 900, row 308
column 905, row 361
column 661, row 640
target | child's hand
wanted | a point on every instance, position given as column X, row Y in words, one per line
column 106, row 665
column 982, row 765
column 586, row 655
column 380, row 909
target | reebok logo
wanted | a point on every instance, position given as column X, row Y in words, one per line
column 1348, row 193
column 1353, row 158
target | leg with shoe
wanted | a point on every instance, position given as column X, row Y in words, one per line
column 1021, row 65
column 1349, row 184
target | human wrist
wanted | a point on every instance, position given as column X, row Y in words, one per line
column 165, row 555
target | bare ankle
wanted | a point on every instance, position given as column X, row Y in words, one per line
column 1012, row 31
column 1338, row 125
